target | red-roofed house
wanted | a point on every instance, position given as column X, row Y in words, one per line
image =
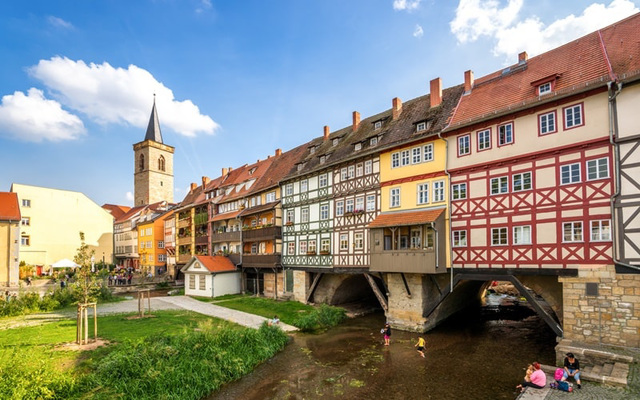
column 9, row 235
column 211, row 276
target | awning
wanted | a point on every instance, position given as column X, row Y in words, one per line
column 229, row 215
column 404, row 218
column 259, row 209
column 64, row 263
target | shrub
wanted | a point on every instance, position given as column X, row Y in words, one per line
column 25, row 378
column 321, row 318
column 105, row 294
column 64, row 297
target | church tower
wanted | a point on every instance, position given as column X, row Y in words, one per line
column 153, row 166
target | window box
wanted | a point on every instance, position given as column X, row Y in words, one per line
column 324, row 252
column 311, row 253
column 289, row 223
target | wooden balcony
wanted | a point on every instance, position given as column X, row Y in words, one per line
column 183, row 240
column 203, row 239
column 234, row 258
column 183, row 258
column 406, row 261
column 261, row 260
column 259, row 234
column 184, row 222
column 225, row 237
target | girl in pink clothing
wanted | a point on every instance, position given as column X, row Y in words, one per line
column 538, row 379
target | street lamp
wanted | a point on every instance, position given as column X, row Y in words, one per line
column 93, row 260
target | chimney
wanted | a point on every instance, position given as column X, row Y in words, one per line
column 326, row 133
column 230, row 168
column 225, row 171
column 278, row 152
column 205, row 181
column 193, row 186
column 468, row 81
column 436, row 92
column 356, row 120
column 396, row 108
column 522, row 57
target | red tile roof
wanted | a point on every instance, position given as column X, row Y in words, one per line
column 9, row 207
column 216, row 263
column 229, row 215
column 116, row 210
column 579, row 66
column 401, row 218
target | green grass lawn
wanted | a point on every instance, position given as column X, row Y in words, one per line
column 288, row 311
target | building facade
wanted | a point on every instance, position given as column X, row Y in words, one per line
column 10, row 222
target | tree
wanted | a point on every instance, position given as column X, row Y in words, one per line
column 86, row 288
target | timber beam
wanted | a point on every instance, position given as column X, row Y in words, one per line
column 377, row 292
column 314, row 285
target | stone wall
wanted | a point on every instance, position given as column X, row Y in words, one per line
column 612, row 317
column 301, row 284
column 270, row 285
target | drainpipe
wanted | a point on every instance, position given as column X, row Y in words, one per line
column 446, row 171
column 613, row 132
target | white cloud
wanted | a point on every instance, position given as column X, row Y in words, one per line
column 418, row 32
column 512, row 35
column 59, row 22
column 129, row 196
column 408, row 5
column 204, row 5
column 33, row 118
column 109, row 95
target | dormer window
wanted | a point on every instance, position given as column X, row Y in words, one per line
column 544, row 88
column 422, row 126
column 312, row 150
column 335, row 141
column 377, row 125
column 373, row 141
column 358, row 146
column 300, row 167
column 323, row 159
column 252, row 170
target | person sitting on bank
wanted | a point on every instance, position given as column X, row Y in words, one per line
column 572, row 368
column 274, row 321
column 538, row 379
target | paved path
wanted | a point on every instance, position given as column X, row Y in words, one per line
column 157, row 303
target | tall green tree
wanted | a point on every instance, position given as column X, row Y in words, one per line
column 86, row 287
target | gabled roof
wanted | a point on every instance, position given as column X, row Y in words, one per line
column 116, row 210
column 578, row 66
column 280, row 167
column 403, row 218
column 9, row 207
column 153, row 129
column 212, row 263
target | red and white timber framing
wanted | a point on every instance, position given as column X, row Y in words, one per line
column 545, row 208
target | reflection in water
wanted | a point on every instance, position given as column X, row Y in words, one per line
column 480, row 354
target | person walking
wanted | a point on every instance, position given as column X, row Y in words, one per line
column 420, row 345
column 387, row 333
column 572, row 369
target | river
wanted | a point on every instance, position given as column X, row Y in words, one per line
column 481, row 353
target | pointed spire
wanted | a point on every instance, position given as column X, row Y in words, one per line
column 153, row 130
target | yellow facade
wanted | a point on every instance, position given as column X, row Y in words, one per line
column 151, row 246
column 56, row 218
column 9, row 252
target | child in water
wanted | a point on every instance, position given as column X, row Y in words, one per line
column 420, row 345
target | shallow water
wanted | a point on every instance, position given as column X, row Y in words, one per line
column 479, row 354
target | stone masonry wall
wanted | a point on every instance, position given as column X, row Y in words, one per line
column 612, row 317
column 301, row 284
column 270, row 287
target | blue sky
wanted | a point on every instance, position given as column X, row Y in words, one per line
column 235, row 80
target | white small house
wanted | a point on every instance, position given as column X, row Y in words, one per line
column 211, row 276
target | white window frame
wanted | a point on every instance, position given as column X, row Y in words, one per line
column 323, row 180
column 373, row 141
column 438, row 191
column 499, row 185
column 421, row 126
column 600, row 230
column 291, row 248
column 161, row 244
column 522, row 235
column 459, row 238
column 359, row 170
column 464, row 145
column 395, row 160
column 405, row 157
column 25, row 221
column 339, row 208
column 427, row 152
column 547, row 122
column 304, row 215
column 290, row 216
column 344, row 241
column 576, row 232
column 349, row 206
column 570, row 170
column 506, row 137
column 422, row 192
column 304, row 185
column 371, row 202
column 500, row 236
column 597, row 165
column 270, row 197
column 544, row 88
column 570, row 113
column 368, row 167
column 324, row 211
column 26, row 203
column 522, row 178
column 377, row 125
column 343, row 174
column 325, row 245
column 416, row 155
column 358, row 240
column 357, row 146
column 302, row 247
column 394, row 197
column 359, row 204
column 288, row 189
column 484, row 139
column 351, row 171
column 458, row 191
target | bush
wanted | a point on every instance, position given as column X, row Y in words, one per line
column 321, row 318
column 64, row 297
column 25, row 378
column 105, row 294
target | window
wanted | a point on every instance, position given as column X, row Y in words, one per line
column 359, row 204
column 427, row 152
column 405, row 157
column 324, row 245
column 572, row 231
column 343, row 174
column 339, row 208
column 141, row 163
column 416, row 238
column 289, row 217
column 288, row 190
column 358, row 240
column 304, row 215
column 312, row 246
column 570, row 173
column 312, row 149
column 323, row 158
column 421, row 126
column 26, row 203
column 324, row 211
column 395, row 160
column 438, row 191
column 149, row 232
column 358, row 146
column 359, row 169
column 368, row 166
column 26, row 221
column 498, row 236
column 598, row 169
column 291, row 248
column 25, row 240
column 459, row 238
column 371, row 202
column 394, row 197
column 161, row 163
column 161, row 244
column 162, row 257
column 505, row 134
column 377, row 125
column 522, row 234
column 203, row 282
column 303, row 247
column 304, row 185
column 423, row 193
column 522, row 181
column 544, row 88
column 464, row 145
column 349, row 206
column 484, row 139
column 573, row 116
column 459, row 191
column 344, row 241
column 335, row 141
column 323, row 180
column 499, row 185
column 373, row 141
column 192, row 282
column 270, row 197
column 351, row 172
column 149, row 244
column 416, row 155
column 600, row 230
column 547, row 123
